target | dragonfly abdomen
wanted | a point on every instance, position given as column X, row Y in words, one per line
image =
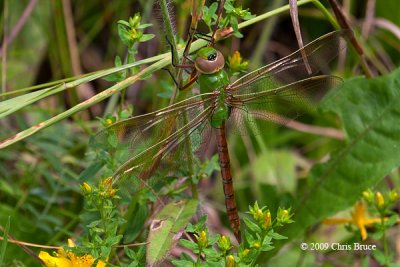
column 227, row 182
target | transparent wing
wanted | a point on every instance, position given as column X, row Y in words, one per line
column 280, row 104
column 153, row 144
column 293, row 67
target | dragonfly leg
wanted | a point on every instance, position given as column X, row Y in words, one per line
column 192, row 79
column 204, row 36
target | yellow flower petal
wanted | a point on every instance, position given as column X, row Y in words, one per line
column 359, row 219
column 68, row 259
column 82, row 261
column 50, row 261
column 101, row 264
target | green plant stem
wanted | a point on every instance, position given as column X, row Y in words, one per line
column 271, row 13
column 384, row 238
column 4, row 46
column 326, row 13
column 5, row 241
column 168, row 30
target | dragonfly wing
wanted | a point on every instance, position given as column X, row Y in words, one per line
column 293, row 67
column 152, row 144
column 281, row 104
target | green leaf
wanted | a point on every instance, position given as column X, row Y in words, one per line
column 277, row 236
column 189, row 244
column 229, row 7
column 251, row 225
column 391, row 221
column 135, row 223
column 146, row 37
column 164, row 230
column 370, row 112
column 379, row 256
column 144, row 26
column 183, row 263
column 209, row 14
column 123, row 22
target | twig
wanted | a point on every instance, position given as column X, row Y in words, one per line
column 5, row 45
column 302, row 127
column 86, row 90
column 369, row 18
column 21, row 22
column 294, row 14
column 387, row 25
column 346, row 25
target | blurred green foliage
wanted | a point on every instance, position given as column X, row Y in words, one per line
column 316, row 175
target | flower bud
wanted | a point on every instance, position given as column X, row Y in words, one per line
column 245, row 253
column 86, row 188
column 267, row 220
column 202, row 240
column 224, row 243
column 283, row 216
column 393, row 196
column 256, row 244
column 368, row 196
column 379, row 200
column 230, row 262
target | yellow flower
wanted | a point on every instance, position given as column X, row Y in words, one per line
column 106, row 186
column 358, row 218
column 64, row 258
column 56, row 261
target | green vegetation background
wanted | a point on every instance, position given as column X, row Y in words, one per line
column 40, row 175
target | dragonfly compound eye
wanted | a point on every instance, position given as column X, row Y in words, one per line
column 212, row 56
column 208, row 62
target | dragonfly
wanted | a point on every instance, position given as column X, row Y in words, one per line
column 156, row 144
column 192, row 33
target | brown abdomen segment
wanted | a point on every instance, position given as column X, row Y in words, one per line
column 229, row 191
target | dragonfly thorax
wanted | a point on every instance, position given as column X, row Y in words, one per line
column 214, row 81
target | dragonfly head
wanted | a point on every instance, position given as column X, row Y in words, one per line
column 209, row 60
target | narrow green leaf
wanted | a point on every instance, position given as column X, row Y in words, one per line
column 277, row 236
column 379, row 256
column 251, row 225
column 5, row 241
column 189, row 244
column 183, row 263
column 146, row 37
column 14, row 104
